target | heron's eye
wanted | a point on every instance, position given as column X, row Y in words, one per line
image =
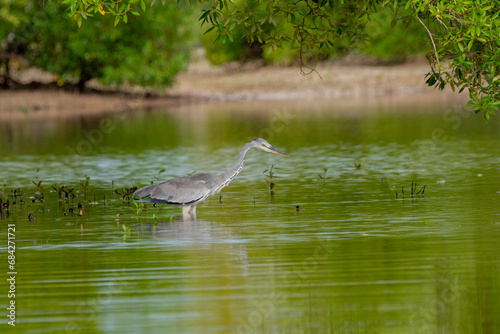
column 263, row 145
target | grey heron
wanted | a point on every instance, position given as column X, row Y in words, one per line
column 189, row 191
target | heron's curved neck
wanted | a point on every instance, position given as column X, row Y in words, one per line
column 233, row 171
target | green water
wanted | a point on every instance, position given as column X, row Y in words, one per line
column 352, row 259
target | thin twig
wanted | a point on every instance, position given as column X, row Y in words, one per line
column 302, row 64
column 311, row 70
column 432, row 40
column 437, row 17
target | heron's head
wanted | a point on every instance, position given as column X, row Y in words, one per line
column 265, row 146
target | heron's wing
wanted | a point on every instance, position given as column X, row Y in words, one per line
column 144, row 192
column 184, row 190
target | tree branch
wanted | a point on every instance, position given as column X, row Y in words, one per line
column 432, row 40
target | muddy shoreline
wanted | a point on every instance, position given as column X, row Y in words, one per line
column 205, row 83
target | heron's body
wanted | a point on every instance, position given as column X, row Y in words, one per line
column 189, row 191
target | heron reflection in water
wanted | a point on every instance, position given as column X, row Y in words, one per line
column 189, row 191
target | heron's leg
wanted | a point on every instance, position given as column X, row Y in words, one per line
column 193, row 211
column 185, row 212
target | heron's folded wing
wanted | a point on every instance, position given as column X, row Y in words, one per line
column 183, row 190
column 144, row 192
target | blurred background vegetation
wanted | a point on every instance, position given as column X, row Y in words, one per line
column 383, row 41
column 150, row 49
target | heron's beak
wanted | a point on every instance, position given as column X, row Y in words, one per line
column 275, row 150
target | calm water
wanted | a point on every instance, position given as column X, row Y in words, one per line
column 354, row 259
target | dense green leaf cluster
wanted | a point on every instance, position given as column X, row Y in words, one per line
column 119, row 9
column 11, row 17
column 466, row 35
column 463, row 35
column 148, row 51
column 306, row 27
column 380, row 39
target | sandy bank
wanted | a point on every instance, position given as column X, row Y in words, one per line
column 207, row 83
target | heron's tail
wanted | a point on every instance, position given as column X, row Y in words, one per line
column 143, row 194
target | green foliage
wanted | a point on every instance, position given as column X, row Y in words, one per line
column 465, row 51
column 12, row 15
column 393, row 40
column 308, row 29
column 239, row 49
column 383, row 38
column 464, row 34
column 237, row 46
column 148, row 51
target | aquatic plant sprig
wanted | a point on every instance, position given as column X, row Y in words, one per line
column 36, row 170
column 270, row 176
column 64, row 191
column 17, row 196
column 39, row 195
column 413, row 191
column 158, row 178
column 360, row 165
column 85, row 185
column 126, row 232
column 4, row 205
column 95, row 202
column 138, row 207
column 4, row 183
column 40, row 192
column 324, row 177
column 125, row 193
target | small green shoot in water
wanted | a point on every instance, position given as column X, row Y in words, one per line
column 85, row 185
column 94, row 202
column 36, row 170
column 270, row 178
column 39, row 193
column 413, row 191
column 126, row 192
column 155, row 220
column 4, row 183
column 360, row 165
column 324, row 177
column 158, row 178
column 66, row 190
column 138, row 207
column 126, row 231
column 38, row 185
